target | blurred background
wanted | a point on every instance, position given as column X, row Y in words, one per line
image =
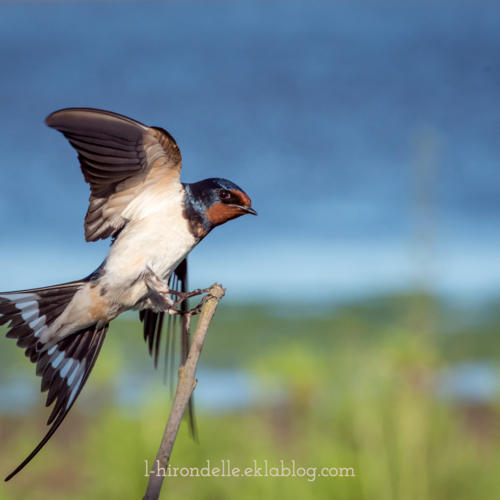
column 361, row 322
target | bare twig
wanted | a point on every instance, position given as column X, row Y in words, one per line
column 185, row 387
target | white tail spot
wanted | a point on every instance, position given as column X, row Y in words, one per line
column 74, row 391
column 20, row 297
column 73, row 375
column 35, row 325
column 40, row 332
column 58, row 360
column 27, row 306
column 30, row 316
column 66, row 368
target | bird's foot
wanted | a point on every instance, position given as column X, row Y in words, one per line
column 192, row 312
column 196, row 310
column 160, row 295
column 186, row 295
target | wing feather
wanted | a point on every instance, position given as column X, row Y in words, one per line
column 119, row 158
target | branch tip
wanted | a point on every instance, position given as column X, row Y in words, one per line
column 217, row 291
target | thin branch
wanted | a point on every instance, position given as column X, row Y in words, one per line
column 185, row 386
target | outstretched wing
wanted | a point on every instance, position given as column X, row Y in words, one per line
column 121, row 159
column 153, row 323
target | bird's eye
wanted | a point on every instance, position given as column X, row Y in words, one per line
column 224, row 194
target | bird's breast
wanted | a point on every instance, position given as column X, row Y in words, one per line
column 159, row 242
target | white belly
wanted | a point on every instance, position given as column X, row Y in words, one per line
column 159, row 242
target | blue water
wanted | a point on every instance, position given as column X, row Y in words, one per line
column 223, row 390
column 326, row 113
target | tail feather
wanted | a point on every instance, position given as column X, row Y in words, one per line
column 31, row 312
column 68, row 368
column 153, row 326
column 65, row 366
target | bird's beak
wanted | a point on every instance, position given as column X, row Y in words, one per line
column 248, row 210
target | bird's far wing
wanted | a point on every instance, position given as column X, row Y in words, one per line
column 153, row 325
column 119, row 158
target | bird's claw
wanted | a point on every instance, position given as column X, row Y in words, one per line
column 161, row 293
column 192, row 312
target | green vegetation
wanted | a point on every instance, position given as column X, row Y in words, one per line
column 352, row 387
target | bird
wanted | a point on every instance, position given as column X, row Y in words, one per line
column 153, row 219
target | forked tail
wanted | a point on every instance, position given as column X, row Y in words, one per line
column 65, row 366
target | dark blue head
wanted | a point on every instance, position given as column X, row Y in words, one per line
column 213, row 202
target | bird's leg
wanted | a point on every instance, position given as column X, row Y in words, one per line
column 186, row 295
column 197, row 309
column 187, row 314
column 160, row 292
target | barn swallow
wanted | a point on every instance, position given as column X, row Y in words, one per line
column 137, row 199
